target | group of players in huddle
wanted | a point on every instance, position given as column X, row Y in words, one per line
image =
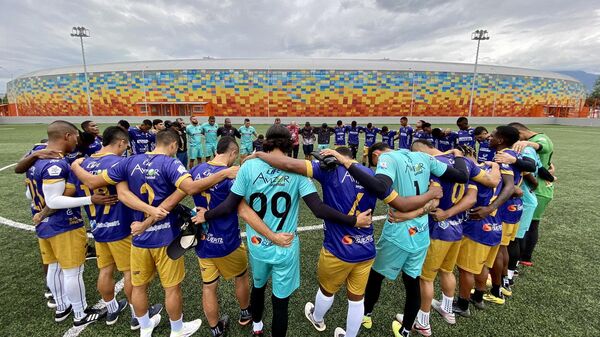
column 449, row 206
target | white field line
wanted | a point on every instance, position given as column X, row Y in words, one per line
column 7, row 166
column 4, row 129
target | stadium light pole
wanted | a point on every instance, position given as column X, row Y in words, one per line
column 478, row 36
column 82, row 32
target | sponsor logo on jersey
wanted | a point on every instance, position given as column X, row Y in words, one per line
column 256, row 240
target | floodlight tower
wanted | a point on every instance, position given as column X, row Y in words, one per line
column 82, row 32
column 478, row 36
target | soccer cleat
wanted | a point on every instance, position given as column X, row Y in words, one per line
column 478, row 305
column 225, row 324
column 339, row 332
column 91, row 316
column 47, row 293
column 493, row 299
column 51, row 303
column 148, row 331
column 450, row 318
column 152, row 311
column 245, row 319
column 511, row 282
column 458, row 311
column 367, row 322
column 396, row 329
column 506, row 291
column 422, row 329
column 189, row 328
column 309, row 309
column 112, row 318
column 61, row 316
column 258, row 333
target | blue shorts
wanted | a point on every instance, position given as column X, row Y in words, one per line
column 246, row 149
column 391, row 260
column 195, row 152
column 285, row 275
column 211, row 149
column 526, row 218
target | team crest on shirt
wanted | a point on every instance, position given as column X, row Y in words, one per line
column 92, row 165
column 54, row 170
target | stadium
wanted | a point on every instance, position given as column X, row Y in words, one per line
column 295, row 87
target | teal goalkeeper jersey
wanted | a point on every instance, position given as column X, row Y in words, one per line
column 275, row 196
column 210, row 132
column 247, row 133
column 529, row 198
column 410, row 173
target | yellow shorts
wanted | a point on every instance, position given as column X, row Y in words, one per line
column 514, row 232
column 146, row 261
column 230, row 266
column 116, row 252
column 508, row 232
column 441, row 255
column 474, row 255
column 333, row 273
column 68, row 248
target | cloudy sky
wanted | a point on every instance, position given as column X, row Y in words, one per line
column 543, row 34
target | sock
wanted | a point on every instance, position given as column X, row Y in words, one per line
column 257, row 326
column 112, row 306
column 423, row 318
column 447, row 303
column 322, row 305
column 279, row 323
column 75, row 289
column 477, row 296
column 132, row 311
column 511, row 274
column 354, row 317
column 144, row 321
column 245, row 312
column 257, row 302
column 404, row 332
column 55, row 281
column 177, row 325
column 504, row 281
column 463, row 304
column 217, row 330
column 495, row 290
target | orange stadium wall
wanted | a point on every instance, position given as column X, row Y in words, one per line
column 314, row 93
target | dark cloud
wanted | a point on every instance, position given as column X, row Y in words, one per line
column 544, row 34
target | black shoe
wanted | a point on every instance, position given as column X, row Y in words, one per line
column 111, row 318
column 90, row 253
column 458, row 311
column 61, row 316
column 51, row 303
column 91, row 316
column 511, row 282
column 152, row 311
column 478, row 305
column 224, row 323
column 245, row 319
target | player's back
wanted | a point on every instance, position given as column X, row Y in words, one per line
column 370, row 135
column 466, row 137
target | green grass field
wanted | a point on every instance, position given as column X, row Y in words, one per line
column 559, row 296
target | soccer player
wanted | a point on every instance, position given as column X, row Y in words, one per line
column 484, row 152
column 194, row 130
column 402, row 246
column 209, row 130
column 370, row 139
column 340, row 134
column 92, row 128
column 274, row 195
column 248, row 133
column 353, row 130
column 140, row 139
column 62, row 237
column 441, row 140
column 464, row 135
column 388, row 136
column 157, row 125
column 145, row 183
column 323, row 136
column 545, row 191
column 295, row 132
column 257, row 145
column 445, row 231
column 405, row 134
column 424, row 133
column 182, row 150
column 308, row 139
column 228, row 130
column 220, row 249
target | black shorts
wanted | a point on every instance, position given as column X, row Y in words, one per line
column 308, row 149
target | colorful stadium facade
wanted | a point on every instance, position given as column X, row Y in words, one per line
column 294, row 87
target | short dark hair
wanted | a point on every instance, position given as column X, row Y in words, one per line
column 518, row 126
column 112, row 134
column 381, row 146
column 167, row 137
column 85, row 124
column 85, row 139
column 261, row 136
column 437, row 133
column 353, row 123
column 176, row 125
column 509, row 134
column 344, row 151
column 307, row 124
column 156, row 122
column 422, row 142
column 59, row 128
column 246, row 120
column 369, row 125
column 425, row 125
column 384, row 128
column 124, row 124
column 339, row 122
column 403, row 118
column 278, row 137
column 324, row 125
column 462, row 119
column 479, row 130
column 224, row 144
column 147, row 122
column 211, row 117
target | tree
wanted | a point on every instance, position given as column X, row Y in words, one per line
column 593, row 98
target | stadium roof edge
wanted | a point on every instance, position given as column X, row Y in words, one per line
column 298, row 64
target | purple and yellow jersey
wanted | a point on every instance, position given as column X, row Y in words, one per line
column 466, row 137
column 140, row 141
column 36, row 147
column 451, row 228
column 94, row 147
column 51, row 171
column 406, row 135
column 485, row 152
column 353, row 134
column 152, row 178
column 340, row 135
column 108, row 222
column 489, row 230
column 512, row 209
column 220, row 236
column 346, row 195
column 423, row 135
column 370, row 135
column 388, row 138
column 444, row 143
